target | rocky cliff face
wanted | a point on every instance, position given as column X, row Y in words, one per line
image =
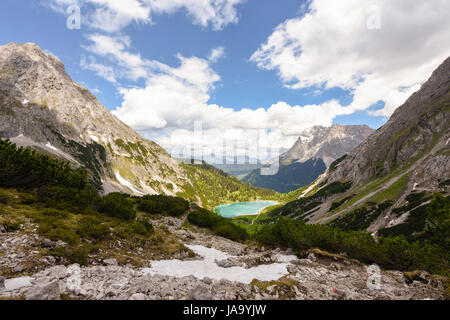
column 42, row 107
column 417, row 133
column 326, row 143
column 398, row 167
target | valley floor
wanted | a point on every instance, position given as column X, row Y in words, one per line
column 223, row 272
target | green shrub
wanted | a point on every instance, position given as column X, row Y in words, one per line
column 54, row 181
column 92, row 227
column 11, row 225
column 27, row 198
column 230, row 231
column 219, row 225
column 392, row 252
column 173, row 206
column 4, row 197
column 78, row 255
column 56, row 229
column 58, row 214
column 143, row 227
column 118, row 205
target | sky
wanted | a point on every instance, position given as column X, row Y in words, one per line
column 242, row 72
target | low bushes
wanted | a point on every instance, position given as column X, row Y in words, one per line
column 143, row 227
column 118, row 206
column 77, row 254
column 4, row 197
column 92, row 227
column 173, row 206
column 219, row 225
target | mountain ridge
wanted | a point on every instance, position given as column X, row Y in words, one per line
column 315, row 149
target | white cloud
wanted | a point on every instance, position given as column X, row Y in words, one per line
column 116, row 48
column 175, row 98
column 106, row 72
column 114, row 15
column 216, row 54
column 331, row 45
column 218, row 13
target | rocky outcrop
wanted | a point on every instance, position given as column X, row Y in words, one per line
column 306, row 280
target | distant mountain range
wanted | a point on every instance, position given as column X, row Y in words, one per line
column 315, row 149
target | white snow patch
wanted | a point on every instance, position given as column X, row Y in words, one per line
column 94, row 138
column 209, row 268
column 48, row 145
column 25, row 102
column 127, row 184
column 17, row 283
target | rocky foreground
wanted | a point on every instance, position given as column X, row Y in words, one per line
column 281, row 275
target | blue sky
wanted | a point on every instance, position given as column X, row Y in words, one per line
column 283, row 65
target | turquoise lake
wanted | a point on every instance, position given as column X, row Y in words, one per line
column 242, row 208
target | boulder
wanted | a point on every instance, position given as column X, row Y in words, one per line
column 46, row 243
column 47, row 291
column 138, row 296
column 110, row 262
column 17, row 283
column 17, row 269
column 57, row 272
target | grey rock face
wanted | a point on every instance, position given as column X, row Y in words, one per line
column 57, row 272
column 326, row 143
column 419, row 129
column 413, row 144
column 48, row 291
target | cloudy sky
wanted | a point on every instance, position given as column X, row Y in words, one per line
column 239, row 68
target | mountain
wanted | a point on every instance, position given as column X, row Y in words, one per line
column 385, row 184
column 43, row 108
column 314, row 151
column 326, row 143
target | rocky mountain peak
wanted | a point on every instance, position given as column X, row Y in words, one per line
column 42, row 107
column 327, row 143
